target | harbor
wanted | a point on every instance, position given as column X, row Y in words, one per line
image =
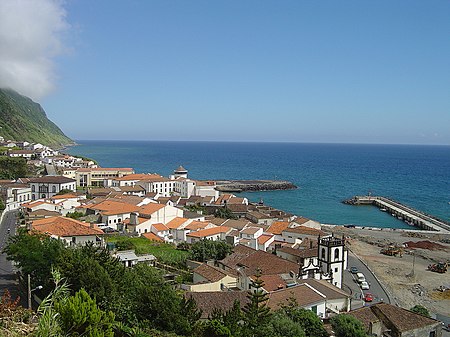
column 402, row 212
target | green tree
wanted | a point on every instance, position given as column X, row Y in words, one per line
column 79, row 315
column 224, row 213
column 347, row 326
column 232, row 318
column 421, row 310
column 256, row 312
column 308, row 320
column 35, row 254
column 75, row 215
column 214, row 328
column 280, row 325
column 64, row 191
column 205, row 250
column 155, row 301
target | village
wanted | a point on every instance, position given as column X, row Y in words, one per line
column 77, row 201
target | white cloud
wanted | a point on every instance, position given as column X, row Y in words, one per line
column 30, row 38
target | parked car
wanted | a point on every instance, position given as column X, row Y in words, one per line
column 368, row 297
column 364, row 285
column 360, row 277
column 353, row 270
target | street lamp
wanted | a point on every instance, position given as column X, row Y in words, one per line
column 31, row 290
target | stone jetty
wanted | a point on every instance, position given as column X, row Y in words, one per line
column 253, row 185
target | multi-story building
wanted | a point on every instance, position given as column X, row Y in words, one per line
column 48, row 186
column 96, row 176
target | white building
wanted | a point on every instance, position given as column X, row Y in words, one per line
column 48, row 186
column 333, row 258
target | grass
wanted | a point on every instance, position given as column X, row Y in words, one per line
column 164, row 252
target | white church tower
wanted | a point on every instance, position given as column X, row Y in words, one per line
column 333, row 258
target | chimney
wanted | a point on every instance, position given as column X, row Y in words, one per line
column 91, row 225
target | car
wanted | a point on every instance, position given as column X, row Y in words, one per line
column 364, row 285
column 368, row 297
column 353, row 270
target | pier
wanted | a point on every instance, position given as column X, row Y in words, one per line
column 408, row 214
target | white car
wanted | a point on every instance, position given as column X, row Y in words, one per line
column 364, row 285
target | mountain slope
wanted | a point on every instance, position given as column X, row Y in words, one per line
column 23, row 119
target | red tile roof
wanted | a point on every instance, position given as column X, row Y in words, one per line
column 152, row 237
column 150, row 208
column 210, row 231
column 64, row 227
column 176, row 223
column 278, row 227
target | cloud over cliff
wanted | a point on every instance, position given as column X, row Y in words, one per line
column 31, row 33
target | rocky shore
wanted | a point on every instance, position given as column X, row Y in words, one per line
column 253, row 185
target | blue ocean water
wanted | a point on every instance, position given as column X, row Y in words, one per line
column 418, row 176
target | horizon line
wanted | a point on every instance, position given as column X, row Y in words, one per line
column 252, row 141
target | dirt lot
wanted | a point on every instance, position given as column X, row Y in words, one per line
column 407, row 288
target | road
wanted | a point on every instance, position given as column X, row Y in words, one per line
column 357, row 294
column 7, row 272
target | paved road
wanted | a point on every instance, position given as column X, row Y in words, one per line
column 7, row 273
column 375, row 288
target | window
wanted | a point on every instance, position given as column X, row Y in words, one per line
column 33, row 188
column 323, row 253
column 335, row 270
column 53, row 189
column 336, row 254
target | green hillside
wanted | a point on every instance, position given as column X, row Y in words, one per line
column 23, row 119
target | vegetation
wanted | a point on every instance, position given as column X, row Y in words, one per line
column 224, row 213
column 23, row 119
column 421, row 310
column 75, row 215
column 347, row 326
column 13, row 168
column 164, row 252
column 205, row 250
column 64, row 191
column 89, row 293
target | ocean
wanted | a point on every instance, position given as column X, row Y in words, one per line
column 326, row 174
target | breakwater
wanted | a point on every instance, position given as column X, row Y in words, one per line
column 253, row 185
column 402, row 212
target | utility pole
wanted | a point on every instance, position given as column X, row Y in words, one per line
column 29, row 292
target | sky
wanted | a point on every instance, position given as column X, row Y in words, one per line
column 236, row 70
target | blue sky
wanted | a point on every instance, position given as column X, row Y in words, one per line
column 303, row 71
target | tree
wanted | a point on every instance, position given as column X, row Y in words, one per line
column 75, row 215
column 224, row 213
column 347, row 326
column 64, row 191
column 215, row 328
column 233, row 317
column 205, row 250
column 281, row 325
column 256, row 312
column 35, row 254
column 308, row 320
column 79, row 315
column 421, row 310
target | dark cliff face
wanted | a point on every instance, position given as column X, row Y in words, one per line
column 21, row 119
